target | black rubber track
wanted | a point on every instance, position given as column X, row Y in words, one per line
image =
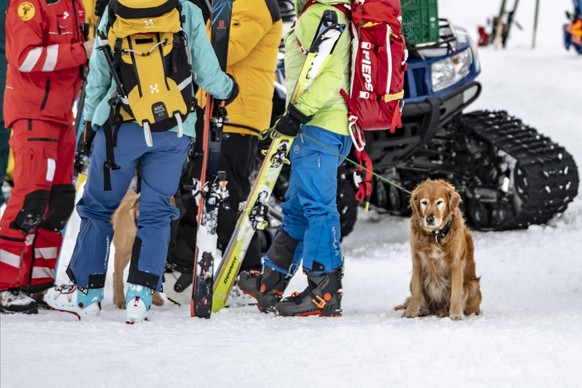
column 545, row 175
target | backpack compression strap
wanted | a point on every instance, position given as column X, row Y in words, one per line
column 137, row 9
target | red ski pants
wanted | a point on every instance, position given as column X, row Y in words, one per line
column 40, row 203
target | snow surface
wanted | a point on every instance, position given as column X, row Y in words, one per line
column 529, row 335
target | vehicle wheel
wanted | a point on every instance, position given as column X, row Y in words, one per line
column 346, row 205
column 478, row 214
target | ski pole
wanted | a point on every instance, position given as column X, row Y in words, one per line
column 535, row 30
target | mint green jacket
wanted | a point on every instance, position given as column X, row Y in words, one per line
column 205, row 68
column 321, row 99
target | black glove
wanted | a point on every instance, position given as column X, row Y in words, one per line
column 233, row 92
column 87, row 140
column 218, row 110
column 290, row 123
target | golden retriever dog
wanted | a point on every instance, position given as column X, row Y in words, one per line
column 125, row 228
column 443, row 269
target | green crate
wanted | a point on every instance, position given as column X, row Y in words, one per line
column 420, row 21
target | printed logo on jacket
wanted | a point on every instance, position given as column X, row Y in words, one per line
column 26, row 11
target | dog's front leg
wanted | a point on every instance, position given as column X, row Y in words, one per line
column 416, row 297
column 456, row 309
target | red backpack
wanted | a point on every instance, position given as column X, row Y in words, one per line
column 377, row 81
column 378, row 66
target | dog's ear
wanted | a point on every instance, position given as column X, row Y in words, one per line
column 454, row 201
column 414, row 201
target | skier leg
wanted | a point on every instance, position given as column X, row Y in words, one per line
column 36, row 146
column 88, row 266
column 238, row 160
column 177, row 283
column 316, row 191
column 160, row 171
column 61, row 204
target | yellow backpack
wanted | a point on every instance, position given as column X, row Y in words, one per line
column 151, row 60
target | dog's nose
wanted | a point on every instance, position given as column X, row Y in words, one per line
column 430, row 220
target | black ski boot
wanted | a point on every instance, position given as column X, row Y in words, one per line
column 16, row 301
column 267, row 287
column 322, row 297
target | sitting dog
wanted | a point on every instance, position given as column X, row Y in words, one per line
column 125, row 228
column 443, row 270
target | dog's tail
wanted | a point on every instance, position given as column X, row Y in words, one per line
column 472, row 296
column 129, row 203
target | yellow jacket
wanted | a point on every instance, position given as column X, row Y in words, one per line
column 90, row 17
column 255, row 34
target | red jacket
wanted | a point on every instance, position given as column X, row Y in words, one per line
column 45, row 58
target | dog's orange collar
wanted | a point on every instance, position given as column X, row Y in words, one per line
column 440, row 233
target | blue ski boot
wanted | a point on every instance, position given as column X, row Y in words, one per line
column 85, row 303
column 138, row 301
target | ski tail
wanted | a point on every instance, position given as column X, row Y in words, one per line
column 252, row 217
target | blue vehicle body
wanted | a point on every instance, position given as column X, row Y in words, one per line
column 427, row 109
column 418, row 85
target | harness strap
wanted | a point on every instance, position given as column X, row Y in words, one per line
column 109, row 164
column 111, row 142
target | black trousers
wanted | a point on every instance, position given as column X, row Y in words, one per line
column 238, row 160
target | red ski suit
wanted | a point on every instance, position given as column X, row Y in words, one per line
column 45, row 53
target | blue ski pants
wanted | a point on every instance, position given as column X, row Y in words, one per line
column 159, row 167
column 310, row 213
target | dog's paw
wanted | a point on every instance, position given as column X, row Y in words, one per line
column 120, row 304
column 410, row 314
column 157, row 299
column 457, row 317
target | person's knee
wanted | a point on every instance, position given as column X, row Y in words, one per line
column 61, row 205
column 33, row 208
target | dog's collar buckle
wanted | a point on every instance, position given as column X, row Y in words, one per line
column 441, row 233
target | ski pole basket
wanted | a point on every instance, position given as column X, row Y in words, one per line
column 420, row 21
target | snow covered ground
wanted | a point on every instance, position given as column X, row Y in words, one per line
column 529, row 335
